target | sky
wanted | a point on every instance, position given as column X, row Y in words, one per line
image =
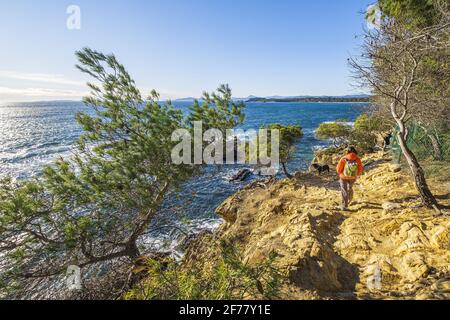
column 182, row 47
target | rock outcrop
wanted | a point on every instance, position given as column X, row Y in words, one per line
column 386, row 246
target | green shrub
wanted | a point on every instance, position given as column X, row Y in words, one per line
column 371, row 123
column 338, row 132
column 364, row 133
column 363, row 141
column 229, row 278
column 438, row 170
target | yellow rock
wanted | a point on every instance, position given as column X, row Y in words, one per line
column 441, row 237
column 326, row 253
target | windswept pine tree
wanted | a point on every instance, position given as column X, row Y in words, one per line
column 289, row 136
column 96, row 206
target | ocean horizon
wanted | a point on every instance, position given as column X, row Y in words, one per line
column 33, row 134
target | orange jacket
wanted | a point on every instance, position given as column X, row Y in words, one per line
column 341, row 165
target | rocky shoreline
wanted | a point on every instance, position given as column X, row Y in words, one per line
column 386, row 247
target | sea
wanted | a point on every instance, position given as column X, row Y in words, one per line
column 33, row 135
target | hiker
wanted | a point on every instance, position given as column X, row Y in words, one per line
column 349, row 169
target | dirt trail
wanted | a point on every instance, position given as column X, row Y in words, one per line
column 386, row 246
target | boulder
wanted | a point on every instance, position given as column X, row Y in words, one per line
column 390, row 206
column 242, row 175
column 229, row 209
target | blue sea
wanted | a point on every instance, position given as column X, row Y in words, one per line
column 34, row 134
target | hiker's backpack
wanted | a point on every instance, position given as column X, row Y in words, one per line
column 351, row 168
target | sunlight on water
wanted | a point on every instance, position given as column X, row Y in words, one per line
column 34, row 134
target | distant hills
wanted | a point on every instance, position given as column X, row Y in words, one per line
column 187, row 99
column 347, row 98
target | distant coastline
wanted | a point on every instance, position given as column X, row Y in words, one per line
column 362, row 98
column 251, row 99
column 312, row 99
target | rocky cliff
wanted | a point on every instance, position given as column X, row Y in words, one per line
column 387, row 246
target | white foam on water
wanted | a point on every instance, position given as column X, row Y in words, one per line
column 347, row 123
column 171, row 242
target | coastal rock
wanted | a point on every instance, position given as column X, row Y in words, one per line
column 242, row 175
column 414, row 266
column 440, row 237
column 383, row 248
column 228, row 210
column 389, row 206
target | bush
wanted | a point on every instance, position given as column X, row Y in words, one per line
column 228, row 279
column 371, row 123
column 427, row 144
column 364, row 134
column 363, row 141
column 438, row 170
column 338, row 132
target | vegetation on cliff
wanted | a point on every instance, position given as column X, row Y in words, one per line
column 368, row 132
column 405, row 63
column 395, row 240
column 337, row 131
column 280, row 239
column 225, row 276
column 94, row 207
column 387, row 246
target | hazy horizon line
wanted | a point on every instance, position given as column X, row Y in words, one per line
column 200, row 98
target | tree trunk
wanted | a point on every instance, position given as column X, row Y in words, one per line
column 437, row 151
column 427, row 197
column 286, row 172
column 335, row 143
column 132, row 251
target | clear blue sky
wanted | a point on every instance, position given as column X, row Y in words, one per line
column 183, row 47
